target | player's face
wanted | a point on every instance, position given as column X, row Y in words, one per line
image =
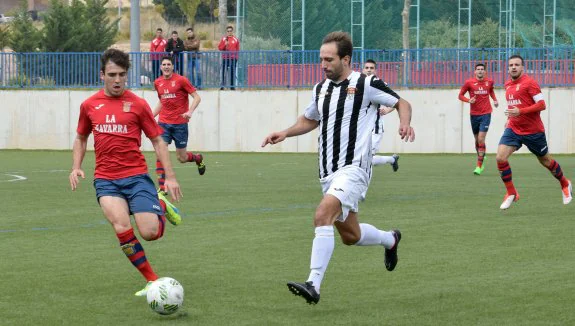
column 158, row 33
column 479, row 72
column 331, row 63
column 167, row 68
column 515, row 68
column 369, row 69
column 175, row 37
column 114, row 78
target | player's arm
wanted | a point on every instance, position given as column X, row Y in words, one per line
column 404, row 111
column 492, row 94
column 157, row 109
column 196, row 99
column 163, row 155
column 78, row 153
column 383, row 110
column 464, row 89
column 302, row 126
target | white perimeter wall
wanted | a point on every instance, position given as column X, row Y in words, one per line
column 238, row 121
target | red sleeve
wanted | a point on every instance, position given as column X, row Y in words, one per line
column 147, row 122
column 462, row 92
column 222, row 45
column 188, row 86
column 492, row 92
column 238, row 44
column 84, row 123
column 539, row 106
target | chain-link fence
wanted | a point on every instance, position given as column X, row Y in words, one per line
column 441, row 23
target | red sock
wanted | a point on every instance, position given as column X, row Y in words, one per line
column 161, row 222
column 505, row 172
column 480, row 154
column 555, row 169
column 161, row 175
column 135, row 253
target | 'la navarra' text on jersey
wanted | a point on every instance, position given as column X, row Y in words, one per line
column 173, row 94
column 524, row 92
column 117, row 124
column 346, row 120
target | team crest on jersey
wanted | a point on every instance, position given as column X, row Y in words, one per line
column 350, row 92
column 174, row 83
column 517, row 87
column 127, row 106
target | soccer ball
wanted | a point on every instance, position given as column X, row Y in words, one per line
column 165, row 296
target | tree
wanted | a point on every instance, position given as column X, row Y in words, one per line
column 100, row 32
column 172, row 12
column 189, row 8
column 63, row 27
column 24, row 37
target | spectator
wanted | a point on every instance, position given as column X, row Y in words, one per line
column 176, row 47
column 230, row 45
column 158, row 44
column 192, row 46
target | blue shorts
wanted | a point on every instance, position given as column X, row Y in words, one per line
column 480, row 123
column 177, row 132
column 139, row 191
column 536, row 143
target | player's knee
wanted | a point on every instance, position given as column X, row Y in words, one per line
column 182, row 158
column 349, row 239
column 149, row 234
column 500, row 158
column 121, row 227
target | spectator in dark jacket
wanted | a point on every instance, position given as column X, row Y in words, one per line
column 175, row 47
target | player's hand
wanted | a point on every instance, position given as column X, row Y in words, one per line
column 472, row 100
column 187, row 115
column 274, row 138
column 496, row 104
column 513, row 112
column 173, row 189
column 407, row 133
column 74, row 180
column 383, row 110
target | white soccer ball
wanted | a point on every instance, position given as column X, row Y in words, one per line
column 165, row 296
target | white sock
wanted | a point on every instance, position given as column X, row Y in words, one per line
column 379, row 160
column 321, row 251
column 371, row 236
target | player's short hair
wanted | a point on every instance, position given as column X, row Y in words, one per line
column 167, row 57
column 174, row 32
column 479, row 65
column 230, row 27
column 118, row 57
column 342, row 41
column 370, row 61
column 189, row 29
column 159, row 29
column 517, row 56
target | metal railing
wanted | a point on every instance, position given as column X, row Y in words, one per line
column 424, row 68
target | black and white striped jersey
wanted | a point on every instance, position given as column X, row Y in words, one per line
column 378, row 128
column 346, row 120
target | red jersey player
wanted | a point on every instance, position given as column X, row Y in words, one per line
column 175, row 113
column 117, row 118
column 479, row 88
column 524, row 126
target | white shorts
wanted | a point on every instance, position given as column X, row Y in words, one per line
column 347, row 184
column 375, row 141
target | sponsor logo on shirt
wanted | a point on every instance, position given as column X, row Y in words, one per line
column 98, row 106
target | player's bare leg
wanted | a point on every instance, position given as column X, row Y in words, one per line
column 184, row 156
column 503, row 154
column 555, row 169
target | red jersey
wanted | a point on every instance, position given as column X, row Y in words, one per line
column 174, row 96
column 481, row 89
column 117, row 124
column 233, row 45
column 524, row 92
column 158, row 45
